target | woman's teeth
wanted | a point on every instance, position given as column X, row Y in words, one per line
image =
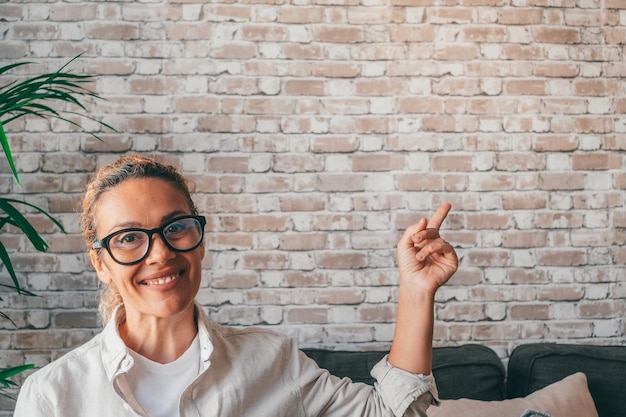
column 160, row 281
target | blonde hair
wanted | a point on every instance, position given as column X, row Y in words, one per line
column 109, row 176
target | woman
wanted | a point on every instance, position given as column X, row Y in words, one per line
column 159, row 355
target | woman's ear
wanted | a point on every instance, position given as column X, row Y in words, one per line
column 100, row 267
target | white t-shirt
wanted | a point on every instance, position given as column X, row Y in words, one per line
column 157, row 387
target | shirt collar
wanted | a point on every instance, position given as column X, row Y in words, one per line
column 115, row 355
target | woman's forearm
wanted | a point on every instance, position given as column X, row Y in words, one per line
column 411, row 349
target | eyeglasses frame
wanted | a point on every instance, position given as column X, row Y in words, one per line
column 104, row 242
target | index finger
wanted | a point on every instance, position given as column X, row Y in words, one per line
column 439, row 216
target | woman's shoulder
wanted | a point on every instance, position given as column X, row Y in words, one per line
column 81, row 359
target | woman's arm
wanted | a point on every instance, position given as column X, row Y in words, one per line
column 425, row 263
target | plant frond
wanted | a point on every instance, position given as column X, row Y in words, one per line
column 26, row 97
column 6, row 260
column 20, row 291
column 7, row 373
column 24, row 225
column 7, row 152
column 39, row 209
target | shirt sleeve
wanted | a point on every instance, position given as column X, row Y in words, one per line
column 396, row 393
column 405, row 393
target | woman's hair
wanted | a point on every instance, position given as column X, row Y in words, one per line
column 108, row 177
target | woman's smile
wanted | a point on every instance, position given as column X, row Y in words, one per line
column 159, row 281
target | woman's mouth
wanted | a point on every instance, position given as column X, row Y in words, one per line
column 160, row 281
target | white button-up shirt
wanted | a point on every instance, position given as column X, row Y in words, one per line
column 243, row 372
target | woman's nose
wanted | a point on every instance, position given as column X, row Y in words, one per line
column 159, row 251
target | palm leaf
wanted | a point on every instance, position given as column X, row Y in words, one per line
column 7, row 373
column 17, row 219
column 6, row 260
column 39, row 209
column 31, row 97
column 7, row 151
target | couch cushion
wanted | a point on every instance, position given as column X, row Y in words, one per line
column 468, row 371
column 354, row 365
column 533, row 366
column 566, row 398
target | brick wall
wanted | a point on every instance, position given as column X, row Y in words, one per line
column 315, row 132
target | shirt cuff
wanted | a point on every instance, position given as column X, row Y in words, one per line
column 401, row 389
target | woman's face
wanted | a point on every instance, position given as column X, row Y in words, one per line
column 164, row 284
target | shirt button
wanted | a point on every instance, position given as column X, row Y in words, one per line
column 126, row 363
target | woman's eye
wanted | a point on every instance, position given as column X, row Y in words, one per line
column 173, row 228
column 129, row 238
column 177, row 227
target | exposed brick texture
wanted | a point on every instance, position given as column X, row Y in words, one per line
column 315, row 131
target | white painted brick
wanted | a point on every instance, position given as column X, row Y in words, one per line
column 338, row 163
column 302, row 222
column 558, row 162
column 340, row 203
column 495, row 311
column 562, row 311
column 269, row 86
column 420, row 86
column 524, row 258
column 384, row 105
column 520, row 35
column 597, row 292
column 260, row 163
column 191, row 11
column 598, row 181
column 343, row 314
column 193, row 162
column 491, row 86
column 36, row 12
column 112, row 49
column 272, row 314
column 342, row 279
column 158, row 104
column 495, row 276
column 339, row 87
column 270, row 51
column 607, row 328
column 302, row 261
column 560, row 201
column 371, row 144
column 599, row 105
column 339, row 52
column 382, row 183
column 590, row 142
column 376, row 295
column 373, row 69
column 409, row 124
column 268, row 204
column 415, row 14
column 299, row 34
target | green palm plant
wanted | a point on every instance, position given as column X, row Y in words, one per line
column 33, row 97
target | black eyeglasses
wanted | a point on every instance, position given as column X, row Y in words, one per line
column 131, row 246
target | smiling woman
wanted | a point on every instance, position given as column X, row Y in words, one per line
column 160, row 355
